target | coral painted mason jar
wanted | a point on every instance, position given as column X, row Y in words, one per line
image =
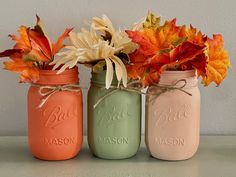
column 114, row 125
column 173, row 117
column 55, row 128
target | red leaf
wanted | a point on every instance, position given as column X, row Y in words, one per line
column 10, row 52
column 185, row 52
column 40, row 43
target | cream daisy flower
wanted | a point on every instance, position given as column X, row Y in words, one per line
column 98, row 47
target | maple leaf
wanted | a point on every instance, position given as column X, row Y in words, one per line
column 172, row 47
column 218, row 61
column 184, row 53
column 146, row 40
column 193, row 35
column 168, row 34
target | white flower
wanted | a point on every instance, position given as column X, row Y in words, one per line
column 89, row 47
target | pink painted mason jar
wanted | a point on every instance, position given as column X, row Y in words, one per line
column 173, row 117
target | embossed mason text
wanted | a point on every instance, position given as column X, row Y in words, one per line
column 113, row 140
column 59, row 141
column 175, row 141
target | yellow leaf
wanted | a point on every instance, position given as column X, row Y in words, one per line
column 218, row 61
column 151, row 21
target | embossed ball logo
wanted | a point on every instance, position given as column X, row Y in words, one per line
column 57, row 115
column 164, row 115
column 113, row 115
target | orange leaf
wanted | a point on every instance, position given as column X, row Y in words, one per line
column 193, row 35
column 28, row 72
column 22, row 42
column 218, row 61
column 146, row 40
column 59, row 44
column 168, row 34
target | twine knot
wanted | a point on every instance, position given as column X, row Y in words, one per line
column 48, row 91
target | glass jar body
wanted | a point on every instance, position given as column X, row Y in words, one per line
column 173, row 118
column 55, row 129
column 114, row 125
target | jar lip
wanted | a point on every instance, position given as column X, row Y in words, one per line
column 53, row 72
column 50, row 77
column 193, row 71
column 101, row 77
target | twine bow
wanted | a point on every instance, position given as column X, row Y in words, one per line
column 48, row 91
column 166, row 88
column 135, row 87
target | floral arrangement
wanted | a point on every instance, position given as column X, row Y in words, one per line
column 100, row 47
column 32, row 52
column 171, row 47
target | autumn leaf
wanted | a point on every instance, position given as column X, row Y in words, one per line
column 40, row 43
column 146, row 40
column 193, row 35
column 136, row 69
column 11, row 52
column 28, row 72
column 168, row 34
column 151, row 21
column 218, row 61
column 200, row 64
column 59, row 43
column 184, row 53
column 32, row 51
column 22, row 42
column 172, row 47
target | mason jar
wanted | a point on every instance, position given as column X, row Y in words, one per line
column 55, row 119
column 173, row 116
column 114, row 123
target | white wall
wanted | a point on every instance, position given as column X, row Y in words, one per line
column 218, row 114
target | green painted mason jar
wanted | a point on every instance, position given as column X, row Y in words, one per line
column 114, row 125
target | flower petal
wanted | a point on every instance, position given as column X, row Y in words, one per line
column 109, row 73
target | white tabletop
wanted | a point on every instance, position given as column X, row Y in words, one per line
column 216, row 157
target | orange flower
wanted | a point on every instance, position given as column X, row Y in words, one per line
column 32, row 51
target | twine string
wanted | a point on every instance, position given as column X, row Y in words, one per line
column 48, row 91
column 135, row 87
column 166, row 88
